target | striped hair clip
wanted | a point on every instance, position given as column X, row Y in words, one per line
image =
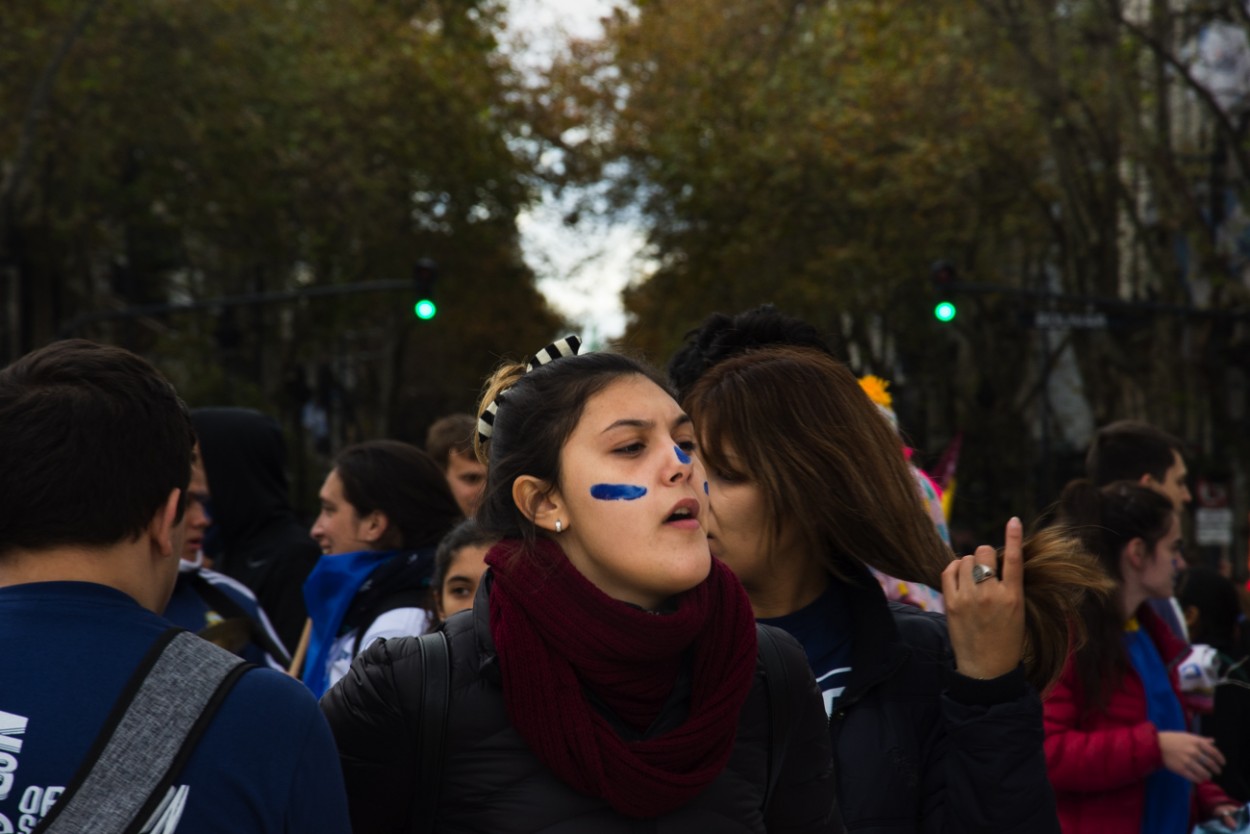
column 568, row 346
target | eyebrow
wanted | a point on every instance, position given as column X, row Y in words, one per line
column 645, row 424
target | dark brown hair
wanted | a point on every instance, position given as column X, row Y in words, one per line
column 453, row 433
column 1127, row 449
column 832, row 467
column 467, row 533
column 92, row 440
column 405, row 485
column 536, row 413
column 1105, row 520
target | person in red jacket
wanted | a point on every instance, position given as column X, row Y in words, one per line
column 1117, row 750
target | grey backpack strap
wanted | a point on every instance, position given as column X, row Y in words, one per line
column 149, row 735
column 435, row 700
column 779, row 721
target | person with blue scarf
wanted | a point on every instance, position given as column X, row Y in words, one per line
column 384, row 508
column 1118, row 751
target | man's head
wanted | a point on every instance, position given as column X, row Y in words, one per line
column 450, row 443
column 93, row 442
column 1130, row 450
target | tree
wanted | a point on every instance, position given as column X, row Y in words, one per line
column 198, row 150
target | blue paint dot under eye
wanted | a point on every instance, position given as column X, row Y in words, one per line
column 681, row 456
column 617, row 492
column 705, row 492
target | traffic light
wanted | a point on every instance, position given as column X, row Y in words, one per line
column 424, row 277
column 943, row 277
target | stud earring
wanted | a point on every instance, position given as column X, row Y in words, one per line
column 559, row 525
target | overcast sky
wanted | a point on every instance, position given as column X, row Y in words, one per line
column 581, row 271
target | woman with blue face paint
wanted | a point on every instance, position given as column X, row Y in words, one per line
column 608, row 671
column 935, row 722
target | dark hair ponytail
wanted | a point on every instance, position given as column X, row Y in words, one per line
column 1104, row 520
column 405, row 485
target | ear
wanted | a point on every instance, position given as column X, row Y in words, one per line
column 1134, row 554
column 373, row 527
column 164, row 531
column 1148, row 480
column 539, row 502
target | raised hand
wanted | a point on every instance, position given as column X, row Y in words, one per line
column 986, row 617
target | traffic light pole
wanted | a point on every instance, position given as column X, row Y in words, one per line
column 71, row 327
column 1101, row 303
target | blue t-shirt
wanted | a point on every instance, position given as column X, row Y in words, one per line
column 823, row 628
column 267, row 762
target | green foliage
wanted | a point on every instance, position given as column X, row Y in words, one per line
column 220, row 147
column 822, row 155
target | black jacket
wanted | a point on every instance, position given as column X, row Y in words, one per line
column 920, row 748
column 493, row 783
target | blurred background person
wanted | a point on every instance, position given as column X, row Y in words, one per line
column 256, row 537
column 1131, row 450
column 450, row 443
column 1212, row 611
column 459, row 563
column 384, row 508
column 1117, row 747
column 211, row 604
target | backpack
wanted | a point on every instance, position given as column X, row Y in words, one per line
column 125, row 783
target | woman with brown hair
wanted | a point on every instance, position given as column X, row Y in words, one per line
column 1120, row 755
column 934, row 723
column 607, row 677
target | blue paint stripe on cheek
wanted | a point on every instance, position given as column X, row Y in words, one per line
column 705, row 492
column 681, row 456
column 617, row 492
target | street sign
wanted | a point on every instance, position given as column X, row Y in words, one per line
column 1051, row 320
column 1213, row 526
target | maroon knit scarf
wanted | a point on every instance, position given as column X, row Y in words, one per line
column 558, row 636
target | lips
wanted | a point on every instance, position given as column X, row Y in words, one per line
column 684, row 514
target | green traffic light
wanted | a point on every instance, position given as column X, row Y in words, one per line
column 944, row 311
column 425, row 309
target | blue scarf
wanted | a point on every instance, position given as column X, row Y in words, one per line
column 328, row 593
column 1167, row 794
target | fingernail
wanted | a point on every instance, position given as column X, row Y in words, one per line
column 1015, row 519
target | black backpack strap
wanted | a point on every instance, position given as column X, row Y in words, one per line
column 150, row 733
column 407, row 598
column 435, row 700
column 224, row 604
column 779, row 721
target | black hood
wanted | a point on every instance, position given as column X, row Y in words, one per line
column 245, row 460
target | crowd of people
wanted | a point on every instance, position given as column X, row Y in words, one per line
column 719, row 598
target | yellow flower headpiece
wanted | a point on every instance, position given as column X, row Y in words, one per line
column 876, row 389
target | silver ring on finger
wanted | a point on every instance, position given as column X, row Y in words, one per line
column 980, row 573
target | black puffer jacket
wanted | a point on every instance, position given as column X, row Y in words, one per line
column 922, row 749
column 491, row 781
